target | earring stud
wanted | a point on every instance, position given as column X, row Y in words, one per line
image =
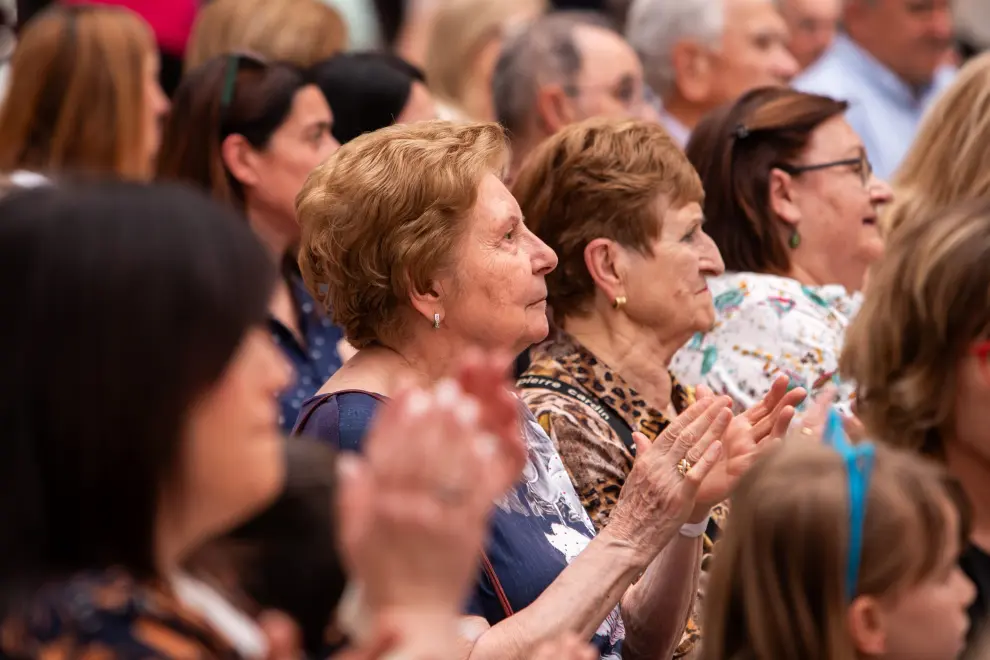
column 436, row 321
column 619, row 302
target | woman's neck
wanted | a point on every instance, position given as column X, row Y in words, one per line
column 639, row 355
column 972, row 471
column 815, row 275
column 264, row 227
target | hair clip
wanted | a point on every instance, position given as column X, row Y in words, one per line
column 741, row 132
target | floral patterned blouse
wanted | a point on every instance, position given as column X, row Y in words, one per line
column 596, row 458
column 766, row 326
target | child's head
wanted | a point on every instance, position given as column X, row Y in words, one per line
column 778, row 588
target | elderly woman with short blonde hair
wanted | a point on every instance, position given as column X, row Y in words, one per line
column 421, row 253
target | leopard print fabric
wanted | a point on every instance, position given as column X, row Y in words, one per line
column 596, row 458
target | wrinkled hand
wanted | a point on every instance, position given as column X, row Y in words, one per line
column 566, row 647
column 656, row 499
column 413, row 510
column 749, row 435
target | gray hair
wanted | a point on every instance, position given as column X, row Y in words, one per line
column 542, row 52
column 653, row 27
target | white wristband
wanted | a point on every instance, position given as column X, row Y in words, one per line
column 694, row 530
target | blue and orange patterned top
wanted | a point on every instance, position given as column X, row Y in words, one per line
column 767, row 326
column 110, row 616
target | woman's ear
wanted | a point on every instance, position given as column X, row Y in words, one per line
column 430, row 302
column 241, row 160
column 867, row 626
column 783, row 197
column 605, row 262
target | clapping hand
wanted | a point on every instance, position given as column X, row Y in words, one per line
column 414, row 508
column 661, row 491
column 748, row 435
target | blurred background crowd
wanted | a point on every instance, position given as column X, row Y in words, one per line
column 495, row 329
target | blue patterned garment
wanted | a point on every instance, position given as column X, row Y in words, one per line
column 536, row 530
column 313, row 362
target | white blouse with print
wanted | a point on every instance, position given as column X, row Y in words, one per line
column 766, row 326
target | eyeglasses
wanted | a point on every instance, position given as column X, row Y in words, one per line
column 864, row 168
column 859, row 461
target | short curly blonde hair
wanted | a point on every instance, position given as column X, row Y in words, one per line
column 384, row 214
column 928, row 301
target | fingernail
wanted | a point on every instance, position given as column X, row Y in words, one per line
column 447, row 393
column 417, row 403
column 486, row 444
column 468, row 411
column 346, row 465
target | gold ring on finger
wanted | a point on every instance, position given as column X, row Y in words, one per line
column 684, row 466
column 807, row 431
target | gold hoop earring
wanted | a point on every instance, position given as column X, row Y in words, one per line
column 619, row 302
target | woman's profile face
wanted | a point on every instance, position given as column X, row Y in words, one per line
column 155, row 105
column 667, row 290
column 233, row 461
column 302, row 142
column 838, row 205
column 497, row 289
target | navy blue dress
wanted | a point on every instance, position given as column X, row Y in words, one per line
column 313, row 363
column 536, row 529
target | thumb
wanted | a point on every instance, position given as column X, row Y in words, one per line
column 284, row 639
column 643, row 443
column 354, row 502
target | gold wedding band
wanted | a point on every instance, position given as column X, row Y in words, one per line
column 684, row 466
column 806, row 431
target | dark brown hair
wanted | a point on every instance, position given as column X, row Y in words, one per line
column 600, row 179
column 261, row 100
column 734, row 149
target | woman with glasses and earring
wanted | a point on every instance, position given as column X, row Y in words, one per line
column 791, row 202
column 250, row 131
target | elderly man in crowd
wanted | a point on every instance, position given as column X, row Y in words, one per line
column 889, row 63
column 813, row 24
column 563, row 68
column 699, row 54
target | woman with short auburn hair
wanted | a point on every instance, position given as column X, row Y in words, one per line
column 83, row 95
column 791, row 202
column 621, row 206
column 948, row 161
column 421, row 253
column 918, row 352
column 302, row 32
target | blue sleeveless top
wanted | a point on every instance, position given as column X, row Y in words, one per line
column 536, row 529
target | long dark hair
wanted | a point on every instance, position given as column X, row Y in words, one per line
column 229, row 94
column 122, row 304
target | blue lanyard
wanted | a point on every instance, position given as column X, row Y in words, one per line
column 859, row 465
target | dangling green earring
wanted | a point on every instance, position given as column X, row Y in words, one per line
column 795, row 239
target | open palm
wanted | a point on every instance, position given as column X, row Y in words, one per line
column 748, row 435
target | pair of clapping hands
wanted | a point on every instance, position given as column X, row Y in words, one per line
column 414, row 508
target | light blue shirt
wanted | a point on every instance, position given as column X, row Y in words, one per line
column 883, row 109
